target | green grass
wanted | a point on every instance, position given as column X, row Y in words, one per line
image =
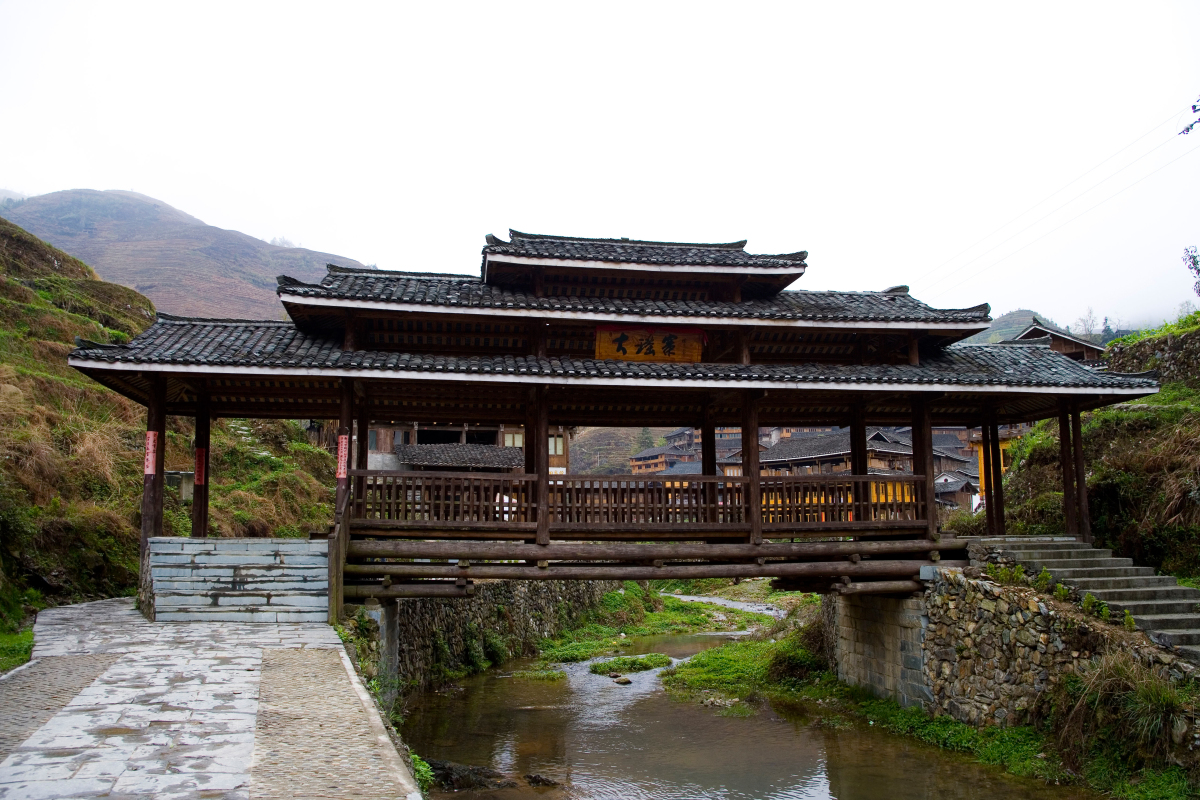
column 540, row 675
column 630, row 664
column 636, row 612
column 1184, row 324
column 15, row 649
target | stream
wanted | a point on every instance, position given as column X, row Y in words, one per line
column 597, row 739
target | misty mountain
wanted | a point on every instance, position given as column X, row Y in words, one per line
column 1007, row 326
column 183, row 265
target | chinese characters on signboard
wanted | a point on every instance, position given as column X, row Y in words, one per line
column 624, row 343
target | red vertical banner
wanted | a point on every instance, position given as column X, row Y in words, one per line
column 343, row 455
column 201, row 452
column 151, row 452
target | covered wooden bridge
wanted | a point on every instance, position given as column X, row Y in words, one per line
column 573, row 332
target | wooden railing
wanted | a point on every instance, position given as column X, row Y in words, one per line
column 623, row 502
column 832, row 501
column 508, row 502
column 445, row 499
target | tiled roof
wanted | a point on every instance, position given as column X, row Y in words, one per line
column 226, row 344
column 662, row 450
column 631, row 251
column 461, row 455
column 464, row 291
column 836, row 443
column 950, row 487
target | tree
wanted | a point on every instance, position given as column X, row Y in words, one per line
column 1087, row 325
column 643, row 441
column 1191, row 260
column 1193, row 123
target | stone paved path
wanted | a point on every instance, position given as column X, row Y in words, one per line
column 114, row 706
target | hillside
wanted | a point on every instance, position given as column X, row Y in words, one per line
column 1006, row 326
column 71, row 450
column 183, row 265
column 606, row 451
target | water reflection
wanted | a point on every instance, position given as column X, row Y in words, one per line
column 601, row 740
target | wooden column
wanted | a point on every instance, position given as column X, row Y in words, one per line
column 538, row 339
column 985, row 476
column 708, row 460
column 923, row 461
column 541, row 441
column 1085, row 514
column 531, row 463
column 1066, row 458
column 350, row 333
column 152, row 486
column 750, row 398
column 996, row 479
column 363, row 415
column 200, row 491
column 345, row 421
column 859, row 463
column 743, row 346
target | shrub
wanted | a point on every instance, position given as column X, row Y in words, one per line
column 1089, row 603
column 1043, row 580
column 1061, row 592
column 1130, row 624
column 422, row 773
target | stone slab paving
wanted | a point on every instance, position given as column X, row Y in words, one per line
column 170, row 710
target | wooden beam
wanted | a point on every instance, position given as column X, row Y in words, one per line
column 879, row 587
column 1066, row 459
column 541, row 441
column 1085, row 514
column 923, row 461
column 403, row 590
column 629, row 551
column 202, row 448
column 555, row 572
column 985, row 475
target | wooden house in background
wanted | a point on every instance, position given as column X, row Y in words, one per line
column 1072, row 347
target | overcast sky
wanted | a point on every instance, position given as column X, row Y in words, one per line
column 894, row 142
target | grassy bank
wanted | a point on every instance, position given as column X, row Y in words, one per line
column 1119, row 751
column 750, row 590
column 638, row 610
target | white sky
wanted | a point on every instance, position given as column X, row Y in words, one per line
column 886, row 139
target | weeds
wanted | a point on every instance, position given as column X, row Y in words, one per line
column 630, row 664
column 540, row 675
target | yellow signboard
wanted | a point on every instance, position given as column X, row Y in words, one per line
column 625, row 343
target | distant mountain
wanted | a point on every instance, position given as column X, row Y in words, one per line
column 1007, row 326
column 606, row 451
column 185, row 266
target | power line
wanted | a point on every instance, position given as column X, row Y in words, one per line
column 1066, row 186
column 1068, row 222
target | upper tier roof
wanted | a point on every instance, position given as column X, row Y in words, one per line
column 408, row 291
column 632, row 251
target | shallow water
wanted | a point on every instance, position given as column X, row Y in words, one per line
column 602, row 740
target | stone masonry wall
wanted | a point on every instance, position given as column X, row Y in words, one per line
column 436, row 632
column 1176, row 358
column 878, row 645
column 980, row 652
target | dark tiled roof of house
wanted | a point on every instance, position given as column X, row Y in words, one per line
column 952, row 486
column 461, row 455
column 632, row 251
column 662, row 450
column 838, row 443
column 230, row 344
column 464, row 291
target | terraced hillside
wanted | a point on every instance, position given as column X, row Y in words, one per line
column 185, row 266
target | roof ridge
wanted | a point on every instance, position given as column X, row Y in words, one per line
column 165, row 317
column 515, row 234
column 334, row 269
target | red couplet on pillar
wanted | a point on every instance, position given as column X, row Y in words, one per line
column 343, row 455
column 200, row 461
column 151, row 452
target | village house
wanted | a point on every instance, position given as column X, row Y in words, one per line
column 1063, row 342
column 887, row 452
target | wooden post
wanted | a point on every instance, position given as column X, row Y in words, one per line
column 985, row 476
column 859, row 463
column 537, row 339
column 200, row 491
column 1066, row 458
column 1085, row 514
column 350, row 334
column 708, row 461
column 152, row 486
column 743, row 346
column 750, row 398
column 923, row 461
column 364, row 438
column 997, row 476
column 914, row 350
column 541, row 441
column 343, row 441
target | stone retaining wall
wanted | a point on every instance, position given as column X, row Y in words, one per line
column 980, row 652
column 432, row 635
column 1176, row 358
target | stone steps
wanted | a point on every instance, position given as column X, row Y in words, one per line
column 239, row 580
column 1169, row 613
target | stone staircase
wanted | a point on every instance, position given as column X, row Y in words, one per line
column 1167, row 612
column 239, row 580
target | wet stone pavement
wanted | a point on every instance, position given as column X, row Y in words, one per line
column 114, row 706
